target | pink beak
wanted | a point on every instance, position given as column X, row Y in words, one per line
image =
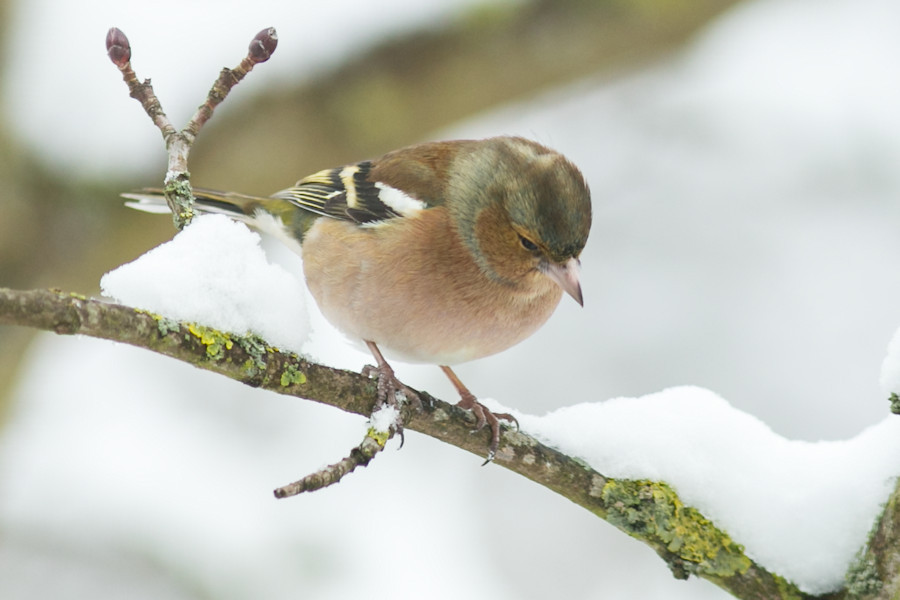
column 566, row 276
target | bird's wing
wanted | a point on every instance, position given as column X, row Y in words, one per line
column 351, row 194
column 398, row 184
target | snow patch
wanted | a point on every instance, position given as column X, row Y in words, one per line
column 215, row 273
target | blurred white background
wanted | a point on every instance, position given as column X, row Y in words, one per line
column 745, row 239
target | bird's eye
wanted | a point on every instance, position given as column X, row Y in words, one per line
column 527, row 244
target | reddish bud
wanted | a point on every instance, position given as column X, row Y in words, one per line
column 263, row 45
column 117, row 47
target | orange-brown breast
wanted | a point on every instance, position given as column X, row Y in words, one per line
column 434, row 305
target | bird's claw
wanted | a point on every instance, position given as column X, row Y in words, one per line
column 391, row 392
column 388, row 387
column 484, row 416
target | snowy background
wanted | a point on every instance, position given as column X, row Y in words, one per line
column 744, row 240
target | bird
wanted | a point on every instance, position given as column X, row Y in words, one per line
column 441, row 252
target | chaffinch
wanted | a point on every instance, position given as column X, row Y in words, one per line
column 440, row 253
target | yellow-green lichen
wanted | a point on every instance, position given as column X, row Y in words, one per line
column 895, row 403
column 652, row 512
column 862, row 577
column 256, row 348
column 786, row 589
column 249, row 368
column 165, row 325
column 178, row 192
column 186, row 215
column 292, row 376
column 216, row 342
column 380, row 437
column 252, row 345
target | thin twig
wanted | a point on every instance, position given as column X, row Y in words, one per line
column 261, row 48
column 360, row 456
column 385, row 422
column 177, row 184
column 119, row 50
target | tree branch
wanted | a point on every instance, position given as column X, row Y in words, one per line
column 876, row 573
column 649, row 511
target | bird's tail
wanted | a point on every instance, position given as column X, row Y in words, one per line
column 270, row 215
column 236, row 206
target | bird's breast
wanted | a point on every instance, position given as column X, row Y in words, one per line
column 410, row 285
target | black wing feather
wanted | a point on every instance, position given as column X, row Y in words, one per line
column 344, row 193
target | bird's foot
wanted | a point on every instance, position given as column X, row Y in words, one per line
column 484, row 416
column 388, row 384
column 391, row 392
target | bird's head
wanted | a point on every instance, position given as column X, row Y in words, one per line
column 527, row 212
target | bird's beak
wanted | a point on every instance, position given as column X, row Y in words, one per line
column 566, row 276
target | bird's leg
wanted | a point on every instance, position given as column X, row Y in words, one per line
column 483, row 415
column 388, row 385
